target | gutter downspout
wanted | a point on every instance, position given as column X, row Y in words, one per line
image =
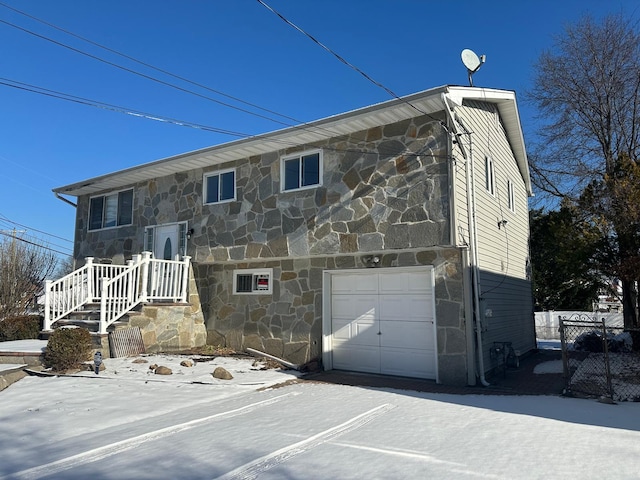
column 471, row 219
column 65, row 200
column 475, row 271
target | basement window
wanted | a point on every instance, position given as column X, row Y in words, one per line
column 253, row 282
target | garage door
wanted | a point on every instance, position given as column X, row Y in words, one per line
column 383, row 321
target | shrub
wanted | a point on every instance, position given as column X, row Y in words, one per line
column 67, row 348
column 22, row 327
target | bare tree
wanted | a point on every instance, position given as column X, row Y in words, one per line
column 24, row 267
column 587, row 90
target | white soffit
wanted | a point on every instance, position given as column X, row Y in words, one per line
column 298, row 137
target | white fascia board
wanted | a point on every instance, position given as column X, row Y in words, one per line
column 508, row 108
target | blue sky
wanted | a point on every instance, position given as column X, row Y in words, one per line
column 241, row 49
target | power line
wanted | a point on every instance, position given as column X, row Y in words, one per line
column 302, row 125
column 145, row 64
column 106, row 106
column 4, row 217
column 347, row 63
column 182, row 123
column 33, row 243
column 148, row 77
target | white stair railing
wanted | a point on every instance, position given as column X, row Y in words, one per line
column 147, row 279
column 73, row 291
column 118, row 288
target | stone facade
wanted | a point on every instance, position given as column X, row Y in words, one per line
column 172, row 327
column 384, row 192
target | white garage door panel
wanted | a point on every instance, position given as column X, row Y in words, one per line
column 415, row 309
column 407, row 362
column 383, row 322
column 407, row 334
column 359, row 358
column 355, row 332
column 354, row 284
column 405, row 283
column 354, row 306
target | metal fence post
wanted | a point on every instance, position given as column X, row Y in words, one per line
column 607, row 368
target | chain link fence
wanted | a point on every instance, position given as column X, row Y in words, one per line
column 599, row 359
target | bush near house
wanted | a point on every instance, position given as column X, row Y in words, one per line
column 67, row 348
column 21, row 327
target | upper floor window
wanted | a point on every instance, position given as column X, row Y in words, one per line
column 301, row 171
column 489, row 176
column 511, row 198
column 220, row 186
column 113, row 210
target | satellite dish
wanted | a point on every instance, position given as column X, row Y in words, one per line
column 472, row 62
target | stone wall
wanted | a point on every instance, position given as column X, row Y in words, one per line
column 288, row 323
column 384, row 191
column 172, row 327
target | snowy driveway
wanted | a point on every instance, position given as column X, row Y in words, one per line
column 106, row 428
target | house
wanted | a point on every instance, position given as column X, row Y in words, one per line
column 391, row 239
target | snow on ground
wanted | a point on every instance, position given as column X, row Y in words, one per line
column 128, row 423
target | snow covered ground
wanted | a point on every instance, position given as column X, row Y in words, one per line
column 127, row 423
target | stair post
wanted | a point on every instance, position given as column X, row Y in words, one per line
column 102, row 329
column 47, row 306
column 88, row 261
column 185, row 278
column 144, row 273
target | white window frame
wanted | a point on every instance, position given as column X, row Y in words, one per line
column 511, row 196
column 300, row 157
column 489, row 176
column 105, row 197
column 256, row 274
column 218, row 174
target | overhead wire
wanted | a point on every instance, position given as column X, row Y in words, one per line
column 148, row 65
column 160, row 118
column 300, row 124
column 346, row 62
column 44, row 247
column 6, row 219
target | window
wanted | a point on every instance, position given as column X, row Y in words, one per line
column 301, row 171
column 220, row 187
column 253, row 282
column 489, row 176
column 113, row 210
column 512, row 198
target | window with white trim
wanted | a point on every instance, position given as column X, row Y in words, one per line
column 112, row 210
column 219, row 187
column 301, row 171
column 511, row 196
column 489, row 176
column 253, row 281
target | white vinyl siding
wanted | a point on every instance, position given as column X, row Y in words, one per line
column 505, row 288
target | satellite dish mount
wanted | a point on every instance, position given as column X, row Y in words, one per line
column 472, row 62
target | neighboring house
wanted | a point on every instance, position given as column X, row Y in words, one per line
column 391, row 239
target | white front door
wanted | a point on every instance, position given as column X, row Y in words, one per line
column 166, row 241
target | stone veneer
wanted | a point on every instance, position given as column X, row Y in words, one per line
column 172, row 327
column 384, row 191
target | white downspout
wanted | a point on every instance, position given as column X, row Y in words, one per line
column 471, row 219
column 473, row 244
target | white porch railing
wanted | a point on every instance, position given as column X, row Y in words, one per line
column 118, row 288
